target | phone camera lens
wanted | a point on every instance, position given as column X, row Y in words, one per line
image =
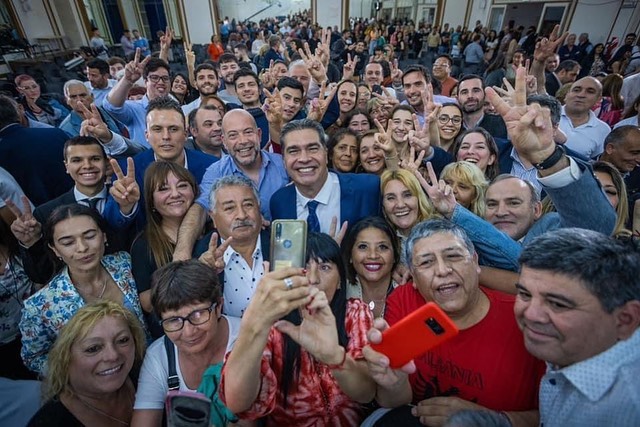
column 435, row 326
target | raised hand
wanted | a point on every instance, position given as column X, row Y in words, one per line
column 214, row 256
column 336, row 234
column 125, row 189
column 266, row 77
column 382, row 140
column 349, row 67
column 319, row 105
column 317, row 333
column 396, row 73
column 323, row 50
column 529, row 127
column 273, row 107
column 273, row 298
column 439, row 192
column 412, row 163
column 166, row 39
column 317, row 69
column 25, row 227
column 93, row 125
column 420, row 137
column 547, row 47
column 190, row 56
column 134, row 69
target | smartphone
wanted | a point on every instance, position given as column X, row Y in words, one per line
column 416, row 334
column 377, row 89
column 187, row 408
column 288, row 243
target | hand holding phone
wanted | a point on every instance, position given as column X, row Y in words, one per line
column 288, row 244
column 416, row 334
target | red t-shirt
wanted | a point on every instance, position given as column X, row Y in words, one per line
column 487, row 363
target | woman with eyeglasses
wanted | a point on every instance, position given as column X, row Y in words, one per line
column 44, row 109
column 187, row 297
column 449, row 125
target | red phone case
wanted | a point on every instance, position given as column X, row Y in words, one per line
column 413, row 335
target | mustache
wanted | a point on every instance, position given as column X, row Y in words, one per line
column 243, row 223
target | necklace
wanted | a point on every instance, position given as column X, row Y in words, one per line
column 377, row 303
column 104, row 288
column 94, row 409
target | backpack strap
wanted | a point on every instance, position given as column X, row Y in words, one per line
column 173, row 381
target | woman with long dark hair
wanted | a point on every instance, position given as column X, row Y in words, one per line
column 298, row 357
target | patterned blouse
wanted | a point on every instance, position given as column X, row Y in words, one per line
column 316, row 399
column 49, row 309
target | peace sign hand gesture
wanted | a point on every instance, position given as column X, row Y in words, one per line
column 439, row 192
column 214, row 256
column 25, row 227
column 547, row 47
column 125, row 189
column 382, row 140
column 323, row 50
column 134, row 69
column 189, row 54
column 93, row 125
column 349, row 67
column 396, row 73
column 314, row 64
column 319, row 105
column 529, row 127
column 166, row 39
column 412, row 163
column 272, row 107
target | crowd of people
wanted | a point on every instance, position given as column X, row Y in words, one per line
column 502, row 183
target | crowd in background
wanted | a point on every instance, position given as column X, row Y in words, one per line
column 489, row 172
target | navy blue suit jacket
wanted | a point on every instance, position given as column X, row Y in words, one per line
column 35, row 158
column 359, row 198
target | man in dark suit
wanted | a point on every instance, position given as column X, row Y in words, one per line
column 167, row 136
column 86, row 163
column 320, row 196
column 33, row 156
column 567, row 72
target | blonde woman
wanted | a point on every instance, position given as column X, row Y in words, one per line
column 468, row 184
column 88, row 381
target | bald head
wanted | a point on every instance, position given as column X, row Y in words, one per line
column 583, row 95
column 241, row 138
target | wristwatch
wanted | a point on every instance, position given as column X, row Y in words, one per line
column 550, row 161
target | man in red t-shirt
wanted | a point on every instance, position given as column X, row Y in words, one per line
column 486, row 366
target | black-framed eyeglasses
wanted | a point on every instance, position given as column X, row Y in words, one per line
column 156, row 78
column 444, row 119
column 196, row 317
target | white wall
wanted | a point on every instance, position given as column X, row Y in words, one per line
column 479, row 11
column 595, row 18
column 70, row 23
column 454, row 11
column 329, row 13
column 360, row 8
column 245, row 8
column 130, row 20
column 34, row 20
column 198, row 16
